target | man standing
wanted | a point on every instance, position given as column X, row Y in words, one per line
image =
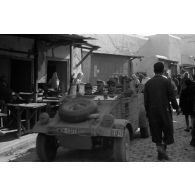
column 158, row 94
column 192, row 103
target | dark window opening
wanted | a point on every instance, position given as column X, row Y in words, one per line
column 21, row 72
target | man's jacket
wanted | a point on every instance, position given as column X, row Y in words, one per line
column 159, row 95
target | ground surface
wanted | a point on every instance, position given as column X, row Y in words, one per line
column 141, row 150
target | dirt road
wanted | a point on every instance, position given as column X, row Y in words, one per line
column 141, row 150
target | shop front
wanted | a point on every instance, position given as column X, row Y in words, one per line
column 28, row 62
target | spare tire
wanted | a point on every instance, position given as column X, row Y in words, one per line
column 77, row 110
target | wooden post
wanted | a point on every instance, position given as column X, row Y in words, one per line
column 35, row 70
column 71, row 59
column 83, row 59
column 19, row 126
column 27, row 119
column 130, row 67
column 70, row 69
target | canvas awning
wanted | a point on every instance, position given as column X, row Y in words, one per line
column 187, row 66
column 61, row 39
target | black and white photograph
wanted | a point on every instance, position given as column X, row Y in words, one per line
column 97, row 97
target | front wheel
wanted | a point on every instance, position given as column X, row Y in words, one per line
column 121, row 148
column 46, row 147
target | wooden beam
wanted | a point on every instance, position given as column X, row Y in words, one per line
column 15, row 51
column 69, row 76
column 71, row 59
column 86, row 44
column 85, row 57
column 82, row 47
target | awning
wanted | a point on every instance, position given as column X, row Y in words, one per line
column 187, row 66
column 164, row 58
column 61, row 39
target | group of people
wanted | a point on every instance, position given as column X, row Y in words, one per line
column 116, row 84
column 159, row 100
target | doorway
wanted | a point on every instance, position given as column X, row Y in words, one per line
column 21, row 72
column 61, row 68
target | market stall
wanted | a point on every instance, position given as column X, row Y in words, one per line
column 31, row 53
column 24, row 115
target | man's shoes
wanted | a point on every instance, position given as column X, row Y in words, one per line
column 165, row 147
column 160, row 156
column 163, row 156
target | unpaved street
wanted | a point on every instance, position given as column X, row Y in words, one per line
column 142, row 150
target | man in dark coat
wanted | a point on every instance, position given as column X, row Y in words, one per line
column 158, row 94
column 185, row 102
column 192, row 106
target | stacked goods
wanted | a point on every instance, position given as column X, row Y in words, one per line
column 88, row 89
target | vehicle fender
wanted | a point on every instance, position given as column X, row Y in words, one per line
column 123, row 124
column 39, row 128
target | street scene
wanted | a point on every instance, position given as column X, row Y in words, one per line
column 97, row 98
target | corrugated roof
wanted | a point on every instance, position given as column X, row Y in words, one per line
column 116, row 44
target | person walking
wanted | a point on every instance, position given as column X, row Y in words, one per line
column 176, row 83
column 158, row 94
column 185, row 102
column 192, row 111
column 185, row 76
column 179, row 85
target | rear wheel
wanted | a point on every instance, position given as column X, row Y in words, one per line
column 121, row 148
column 46, row 147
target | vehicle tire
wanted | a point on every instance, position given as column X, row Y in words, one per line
column 77, row 110
column 46, row 147
column 121, row 148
